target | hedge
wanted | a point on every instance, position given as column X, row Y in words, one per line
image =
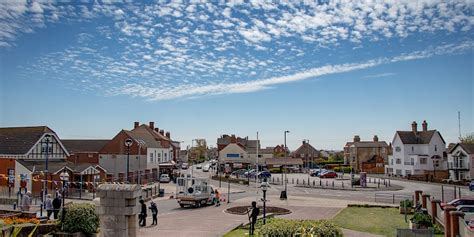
column 287, row 228
column 344, row 169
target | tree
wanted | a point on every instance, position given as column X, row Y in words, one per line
column 468, row 139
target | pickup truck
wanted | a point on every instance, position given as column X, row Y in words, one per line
column 195, row 192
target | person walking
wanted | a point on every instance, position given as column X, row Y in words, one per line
column 154, row 212
column 218, row 198
column 26, row 201
column 255, row 211
column 142, row 215
column 48, row 205
column 56, row 206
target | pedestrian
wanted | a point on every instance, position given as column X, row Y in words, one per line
column 255, row 211
column 218, row 198
column 48, row 205
column 154, row 212
column 26, row 201
column 142, row 215
column 56, row 206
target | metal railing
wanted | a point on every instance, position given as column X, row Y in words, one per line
column 391, row 197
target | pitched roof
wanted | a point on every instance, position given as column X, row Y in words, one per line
column 19, row 140
column 468, row 147
column 145, row 135
column 284, row 161
column 39, row 165
column 369, row 144
column 83, row 145
column 421, row 137
column 306, row 148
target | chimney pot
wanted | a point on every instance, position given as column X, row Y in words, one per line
column 162, row 132
column 157, row 130
column 356, row 138
column 152, row 125
column 168, row 135
column 304, row 142
column 414, row 127
column 136, row 124
column 425, row 126
column 376, row 139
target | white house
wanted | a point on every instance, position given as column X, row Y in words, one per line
column 461, row 162
column 418, row 153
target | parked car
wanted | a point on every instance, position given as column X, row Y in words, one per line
column 460, row 201
column 471, row 185
column 264, row 174
column 184, row 166
column 249, row 172
column 165, row 178
column 206, row 168
column 465, row 208
column 239, row 173
column 317, row 172
column 328, row 174
column 199, row 166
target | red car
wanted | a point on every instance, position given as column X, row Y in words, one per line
column 329, row 174
column 460, row 201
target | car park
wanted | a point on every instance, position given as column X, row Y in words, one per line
column 165, row 178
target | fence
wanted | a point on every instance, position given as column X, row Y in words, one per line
column 391, row 197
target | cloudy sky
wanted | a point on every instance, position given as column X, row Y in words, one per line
column 325, row 70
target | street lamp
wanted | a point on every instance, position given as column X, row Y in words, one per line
column 140, row 143
column 286, row 156
column 264, row 186
column 45, row 184
column 64, row 176
column 128, row 144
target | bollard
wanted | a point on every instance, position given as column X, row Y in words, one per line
column 314, row 182
column 343, row 185
column 292, row 181
column 332, row 184
column 455, row 192
column 459, row 189
column 393, row 198
column 14, row 206
column 378, row 185
column 278, row 180
column 389, row 182
column 303, row 182
column 326, row 183
column 320, row 183
column 308, row 181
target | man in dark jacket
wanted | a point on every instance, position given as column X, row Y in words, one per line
column 253, row 217
column 154, row 211
column 142, row 215
column 56, row 206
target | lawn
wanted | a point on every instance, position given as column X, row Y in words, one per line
column 381, row 221
column 237, row 233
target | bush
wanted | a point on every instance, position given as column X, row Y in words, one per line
column 406, row 203
column 80, row 217
column 281, row 227
column 275, row 170
column 422, row 219
column 345, row 169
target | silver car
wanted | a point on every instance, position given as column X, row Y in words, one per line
column 165, row 178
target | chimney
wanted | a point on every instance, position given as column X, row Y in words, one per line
column 425, row 126
column 414, row 127
column 304, row 142
column 136, row 124
column 233, row 139
column 157, row 130
column 152, row 125
column 168, row 135
column 376, row 139
column 356, row 138
column 162, row 132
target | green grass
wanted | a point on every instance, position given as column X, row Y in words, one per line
column 237, row 233
column 381, row 221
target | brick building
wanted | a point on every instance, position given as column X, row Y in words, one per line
column 358, row 152
column 307, row 153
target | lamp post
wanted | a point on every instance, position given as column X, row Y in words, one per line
column 45, row 184
column 264, row 185
column 128, row 144
column 64, row 178
column 286, row 156
column 140, row 144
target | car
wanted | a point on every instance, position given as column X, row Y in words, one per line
column 460, row 201
column 328, row 174
column 184, row 166
column 240, row 172
column 465, row 208
column 199, row 166
column 471, row 185
column 165, row 178
column 205, row 168
column 249, row 172
column 264, row 174
column 317, row 172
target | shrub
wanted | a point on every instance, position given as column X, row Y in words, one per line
column 406, row 203
column 281, row 227
column 275, row 170
column 81, row 217
column 422, row 219
column 344, row 169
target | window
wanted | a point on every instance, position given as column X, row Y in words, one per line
column 391, row 161
column 399, row 161
column 412, row 148
column 49, row 150
column 159, row 155
column 398, row 172
column 166, row 155
column 436, row 148
column 423, row 161
column 398, row 149
column 151, row 157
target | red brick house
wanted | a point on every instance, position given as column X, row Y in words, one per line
column 307, row 153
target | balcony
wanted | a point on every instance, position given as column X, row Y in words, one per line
column 458, row 166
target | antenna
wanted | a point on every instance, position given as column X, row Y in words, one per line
column 459, row 122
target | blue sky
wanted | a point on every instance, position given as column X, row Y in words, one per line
column 325, row 70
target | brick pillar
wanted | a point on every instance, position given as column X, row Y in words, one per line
column 417, row 194
column 455, row 215
column 424, row 200
column 447, row 220
column 433, row 209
